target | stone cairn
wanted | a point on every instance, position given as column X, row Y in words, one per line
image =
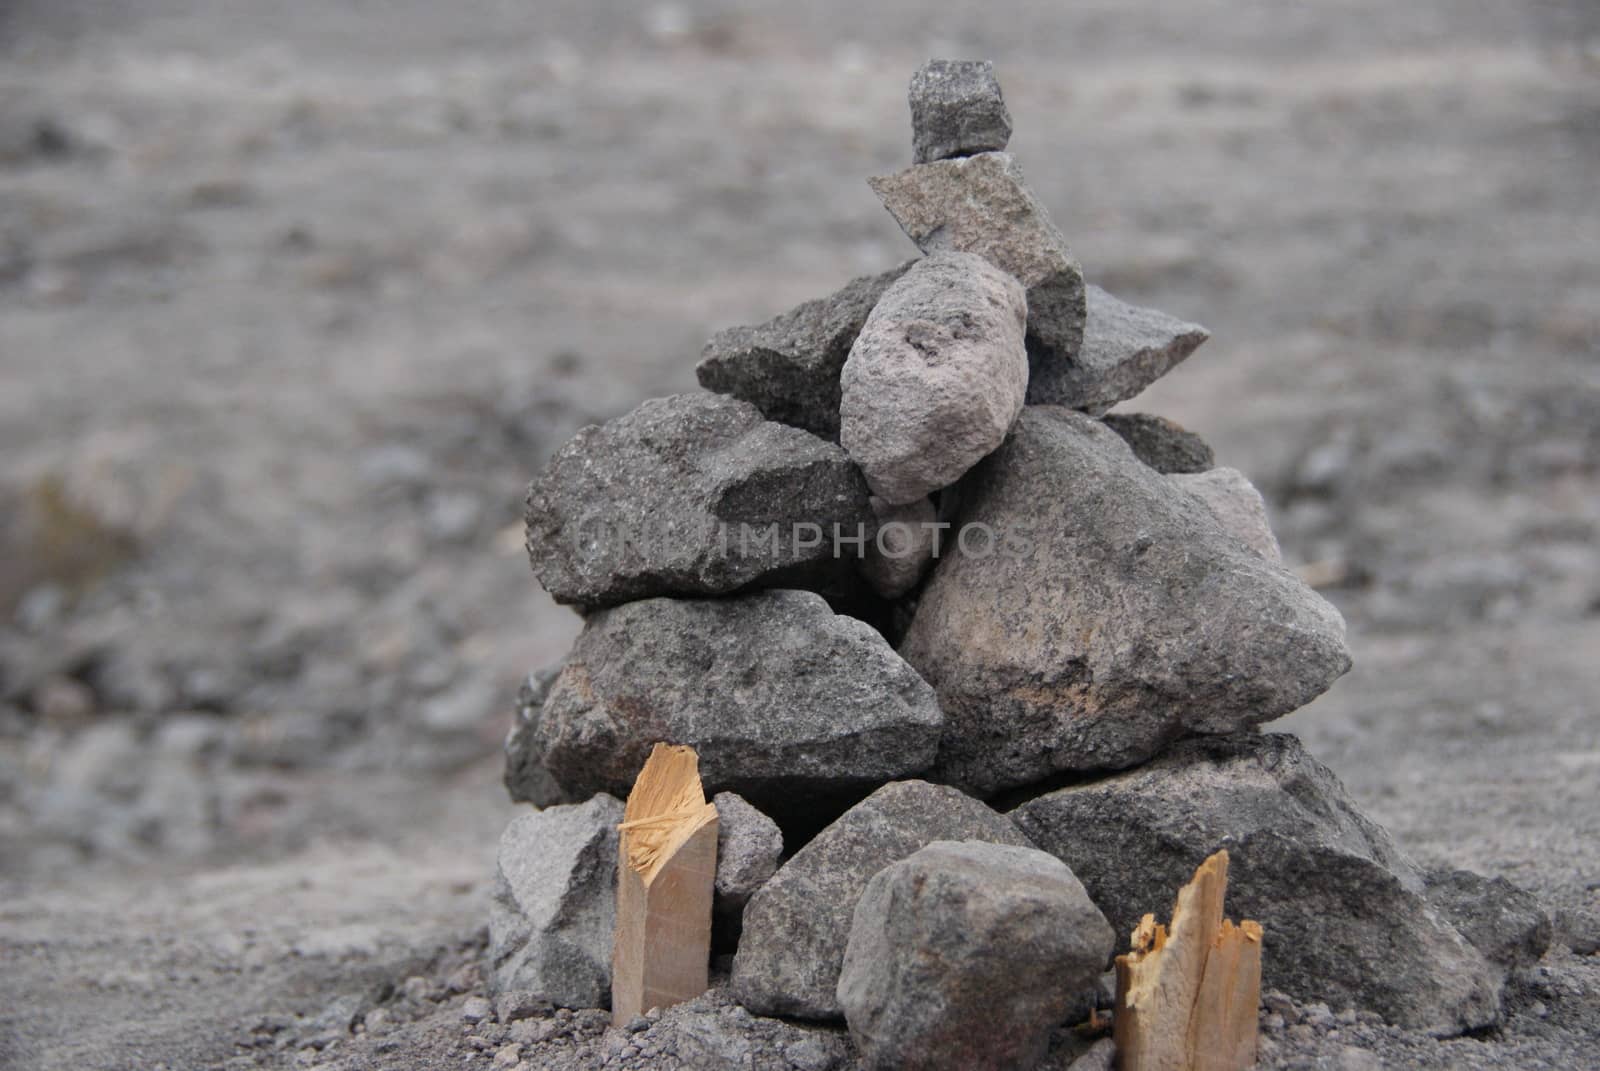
column 979, row 664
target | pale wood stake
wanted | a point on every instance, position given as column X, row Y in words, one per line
column 1188, row 1001
column 666, row 867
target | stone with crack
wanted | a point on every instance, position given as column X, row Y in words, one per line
column 957, row 110
column 797, row 926
column 1099, row 615
column 1237, row 505
column 1164, row 445
column 554, row 905
column 694, row 494
column 1125, row 349
column 789, row 366
column 937, row 376
column 980, row 204
column 788, row 704
column 1346, row 915
column 966, row 955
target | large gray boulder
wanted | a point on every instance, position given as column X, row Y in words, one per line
column 1237, row 505
column 695, row 494
column 957, row 110
column 1164, row 445
column 797, row 925
column 1125, row 349
column 789, row 366
column 980, row 204
column 554, row 906
column 937, row 376
column 966, row 956
column 788, row 704
column 1346, row 917
column 1090, row 614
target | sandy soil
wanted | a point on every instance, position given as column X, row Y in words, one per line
column 295, row 297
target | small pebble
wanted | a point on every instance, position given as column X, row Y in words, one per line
column 476, row 1010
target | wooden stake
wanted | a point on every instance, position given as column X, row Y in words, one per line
column 666, row 868
column 1188, row 1001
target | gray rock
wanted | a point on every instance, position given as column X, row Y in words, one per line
column 1505, row 923
column 691, row 495
column 1125, row 349
column 749, row 845
column 957, row 110
column 796, row 927
column 904, row 546
column 966, row 955
column 555, row 904
column 1579, row 930
column 1160, row 443
column 712, row 1033
column 1237, row 505
column 526, row 779
column 937, row 376
column 1101, row 1056
column 788, row 704
column 980, row 204
column 1096, row 615
column 1345, row 914
column 789, row 367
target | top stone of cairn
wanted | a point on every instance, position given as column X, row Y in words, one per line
column 957, row 110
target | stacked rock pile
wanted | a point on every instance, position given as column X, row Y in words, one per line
column 979, row 663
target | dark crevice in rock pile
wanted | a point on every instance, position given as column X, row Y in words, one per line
column 1075, row 616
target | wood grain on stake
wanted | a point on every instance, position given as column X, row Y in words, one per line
column 1187, row 1001
column 667, row 865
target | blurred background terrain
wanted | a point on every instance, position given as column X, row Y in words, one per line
column 294, row 299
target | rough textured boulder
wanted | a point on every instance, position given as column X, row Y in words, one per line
column 789, row 367
column 966, row 955
column 694, row 494
column 1125, row 349
column 788, row 704
column 903, row 548
column 555, row 905
column 749, row 845
column 1106, row 616
column 1345, row 914
column 937, row 376
column 1503, row 922
column 957, row 110
column 1237, row 505
column 980, row 204
column 526, row 779
column 1160, row 443
column 796, row 927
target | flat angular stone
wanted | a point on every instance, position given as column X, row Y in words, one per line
column 957, row 110
column 903, row 548
column 796, row 927
column 1346, row 916
column 1237, row 505
column 554, row 905
column 980, row 204
column 1098, row 615
column 1125, row 349
column 1505, row 923
column 966, row 955
column 789, row 366
column 787, row 703
column 937, row 376
column 1162, row 444
column 694, row 494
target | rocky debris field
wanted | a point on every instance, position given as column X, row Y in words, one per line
column 295, row 305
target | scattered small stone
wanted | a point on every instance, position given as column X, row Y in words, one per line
column 555, row 905
column 1503, row 922
column 1160, row 443
column 476, row 1010
column 904, row 546
column 965, row 955
column 957, row 110
column 508, row 1056
column 797, row 925
column 1125, row 349
column 749, row 845
column 789, row 367
column 937, row 376
column 1237, row 506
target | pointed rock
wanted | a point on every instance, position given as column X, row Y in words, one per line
column 1125, row 349
column 1162, row 444
column 1345, row 914
column 1102, row 615
column 957, row 110
column 789, row 367
column 788, row 704
column 694, row 494
column 797, row 926
column 937, row 376
column 980, row 204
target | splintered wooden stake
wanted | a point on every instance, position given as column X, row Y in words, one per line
column 1187, row 1001
column 665, row 871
